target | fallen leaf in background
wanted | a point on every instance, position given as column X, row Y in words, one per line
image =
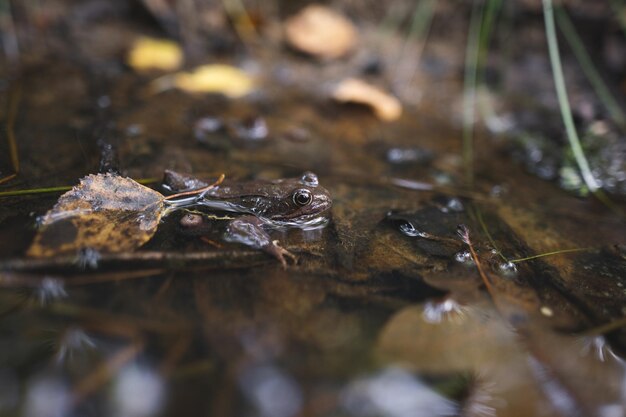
column 105, row 212
column 218, row 78
column 385, row 106
column 149, row 54
column 319, row 31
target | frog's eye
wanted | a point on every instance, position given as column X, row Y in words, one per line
column 302, row 197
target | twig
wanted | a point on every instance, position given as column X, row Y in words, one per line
column 463, row 233
column 606, row 328
column 99, row 376
column 172, row 260
column 199, row 191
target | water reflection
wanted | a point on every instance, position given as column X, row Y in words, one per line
column 50, row 289
column 271, row 391
column 9, row 391
column 73, row 342
column 395, row 392
column 437, row 310
column 138, row 392
column 47, row 396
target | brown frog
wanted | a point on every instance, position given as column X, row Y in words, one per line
column 264, row 205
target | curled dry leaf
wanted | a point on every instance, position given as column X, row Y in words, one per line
column 149, row 54
column 216, row 78
column 105, row 212
column 385, row 106
column 319, row 31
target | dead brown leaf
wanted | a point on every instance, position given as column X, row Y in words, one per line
column 320, row 31
column 105, row 212
column 385, row 106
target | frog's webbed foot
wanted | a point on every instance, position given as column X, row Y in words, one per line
column 249, row 231
column 279, row 252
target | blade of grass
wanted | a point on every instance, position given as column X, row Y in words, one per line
column 422, row 17
column 59, row 189
column 236, row 11
column 592, row 74
column 620, row 12
column 14, row 99
column 556, row 252
column 481, row 221
column 469, row 90
column 566, row 113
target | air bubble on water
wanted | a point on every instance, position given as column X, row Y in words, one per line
column 508, row 268
column 454, row 205
column 464, row 257
column 410, row 230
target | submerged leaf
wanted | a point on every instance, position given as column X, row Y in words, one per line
column 105, row 212
column 148, row 54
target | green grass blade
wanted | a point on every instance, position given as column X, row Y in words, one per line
column 566, row 113
column 469, row 90
column 620, row 12
column 574, row 41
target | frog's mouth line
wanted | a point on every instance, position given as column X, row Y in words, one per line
column 312, row 222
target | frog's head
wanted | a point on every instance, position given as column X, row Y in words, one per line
column 307, row 204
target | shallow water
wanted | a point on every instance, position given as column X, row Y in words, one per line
column 385, row 313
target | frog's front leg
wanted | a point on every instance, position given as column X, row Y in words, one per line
column 245, row 229
column 249, row 231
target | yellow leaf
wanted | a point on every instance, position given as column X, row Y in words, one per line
column 149, row 53
column 217, row 78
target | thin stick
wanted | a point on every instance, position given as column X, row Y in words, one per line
column 198, row 191
column 606, row 328
column 463, row 232
column 174, row 260
column 100, row 375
